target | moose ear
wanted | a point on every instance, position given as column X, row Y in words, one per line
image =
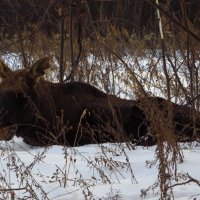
column 39, row 67
column 4, row 70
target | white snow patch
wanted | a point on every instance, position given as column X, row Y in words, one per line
column 96, row 171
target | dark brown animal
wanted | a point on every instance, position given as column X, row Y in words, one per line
column 46, row 113
column 52, row 113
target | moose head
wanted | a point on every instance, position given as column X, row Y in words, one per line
column 15, row 88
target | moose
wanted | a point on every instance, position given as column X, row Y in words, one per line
column 75, row 113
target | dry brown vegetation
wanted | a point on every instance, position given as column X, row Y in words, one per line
column 91, row 48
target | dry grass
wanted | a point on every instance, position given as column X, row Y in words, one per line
column 115, row 63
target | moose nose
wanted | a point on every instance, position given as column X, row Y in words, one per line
column 5, row 134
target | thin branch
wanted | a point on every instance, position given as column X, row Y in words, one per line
column 62, row 41
column 12, row 189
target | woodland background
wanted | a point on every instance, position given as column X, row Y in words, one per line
column 71, row 31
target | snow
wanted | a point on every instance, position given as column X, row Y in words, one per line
column 106, row 171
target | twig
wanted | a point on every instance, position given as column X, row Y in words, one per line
column 62, row 41
column 12, row 189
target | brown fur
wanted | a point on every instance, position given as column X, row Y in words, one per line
column 52, row 113
column 76, row 113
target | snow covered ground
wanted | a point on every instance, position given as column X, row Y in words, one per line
column 105, row 172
